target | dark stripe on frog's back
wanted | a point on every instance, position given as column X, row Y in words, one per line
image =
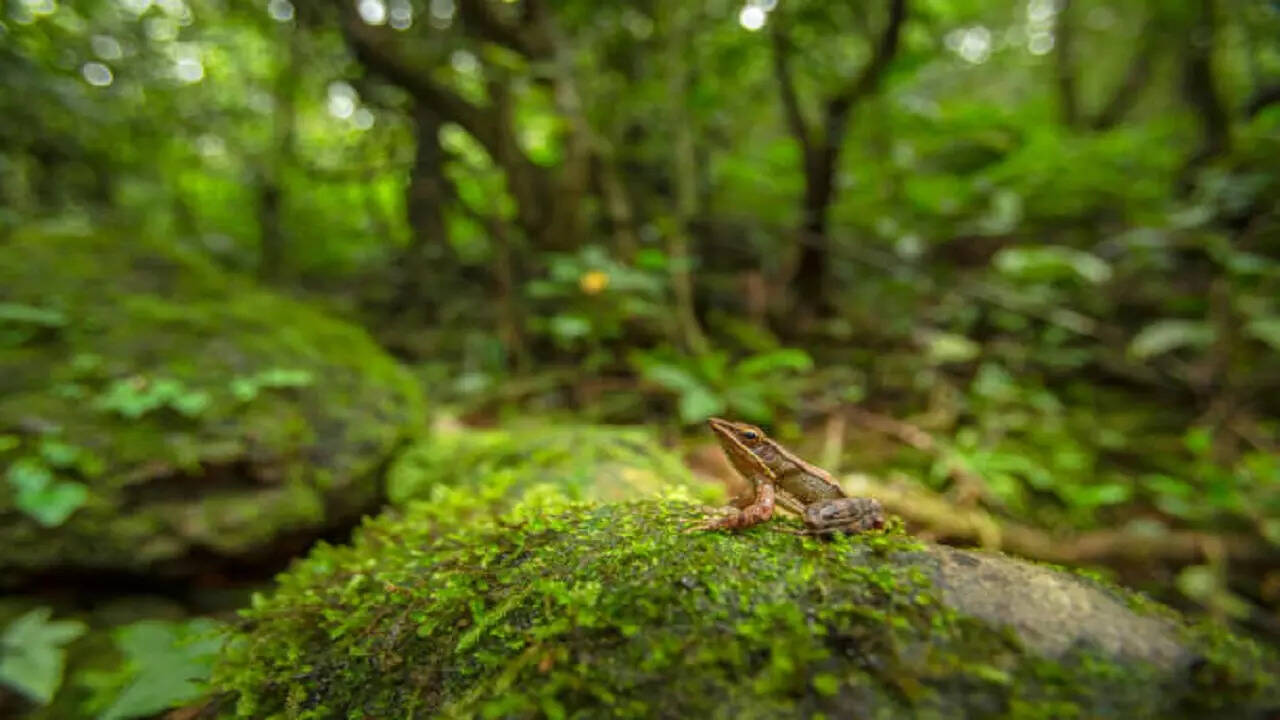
column 807, row 486
column 795, row 479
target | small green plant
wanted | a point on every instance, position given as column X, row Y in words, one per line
column 707, row 385
column 41, row 495
column 33, row 654
column 165, row 665
column 21, row 323
column 247, row 388
column 136, row 396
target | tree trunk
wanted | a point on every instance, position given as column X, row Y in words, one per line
column 819, row 190
column 274, row 244
column 424, row 201
column 1200, row 88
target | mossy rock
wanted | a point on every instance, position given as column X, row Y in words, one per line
column 499, row 466
column 612, row 611
column 172, row 416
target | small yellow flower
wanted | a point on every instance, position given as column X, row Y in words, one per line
column 593, row 281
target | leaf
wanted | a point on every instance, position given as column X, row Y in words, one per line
column 9, row 442
column 672, row 377
column 33, row 657
column 285, row 378
column 773, row 361
column 244, row 389
column 1052, row 262
column 170, row 661
column 58, row 453
column 19, row 314
column 1162, row 336
column 699, row 404
column 52, row 505
column 29, row 474
column 570, row 327
column 191, row 404
column 1267, row 330
column 943, row 348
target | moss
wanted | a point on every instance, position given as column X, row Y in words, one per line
column 582, row 610
column 499, row 466
column 204, row 415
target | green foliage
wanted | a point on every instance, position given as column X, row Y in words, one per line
column 136, row 396
column 247, row 388
column 591, row 297
column 707, row 385
column 165, row 665
column 32, row 653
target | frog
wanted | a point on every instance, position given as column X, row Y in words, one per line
column 779, row 477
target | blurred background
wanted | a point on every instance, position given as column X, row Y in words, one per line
column 1014, row 264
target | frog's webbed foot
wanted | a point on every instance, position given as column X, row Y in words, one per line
column 757, row 512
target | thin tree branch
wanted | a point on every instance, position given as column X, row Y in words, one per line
column 1064, row 43
column 867, row 81
column 1261, row 99
column 790, row 102
column 375, row 51
column 1129, row 90
column 529, row 41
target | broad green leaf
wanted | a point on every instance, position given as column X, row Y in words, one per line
column 32, row 655
column 58, row 453
column 699, row 404
column 570, row 327
column 943, row 348
column 52, row 505
column 1267, row 330
column 19, row 314
column 170, row 663
column 673, row 377
column 29, row 473
column 1163, row 336
column 773, row 361
column 191, row 403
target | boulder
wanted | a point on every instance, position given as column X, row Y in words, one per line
column 160, row 415
column 615, row 610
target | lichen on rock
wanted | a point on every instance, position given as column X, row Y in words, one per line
column 586, row 610
column 201, row 415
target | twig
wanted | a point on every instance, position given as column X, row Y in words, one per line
column 941, row 519
column 969, row 485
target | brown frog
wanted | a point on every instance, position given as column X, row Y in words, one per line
column 780, row 477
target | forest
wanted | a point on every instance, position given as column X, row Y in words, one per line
column 357, row 358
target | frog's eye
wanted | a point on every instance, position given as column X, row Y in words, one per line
column 750, row 435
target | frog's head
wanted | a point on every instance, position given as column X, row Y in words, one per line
column 749, row 436
column 743, row 445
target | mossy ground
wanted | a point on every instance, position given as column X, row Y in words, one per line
column 277, row 421
column 611, row 610
column 496, row 467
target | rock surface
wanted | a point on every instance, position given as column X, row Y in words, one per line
column 588, row 610
column 158, row 415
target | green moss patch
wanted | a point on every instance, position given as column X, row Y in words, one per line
column 499, row 466
column 611, row 610
column 153, row 408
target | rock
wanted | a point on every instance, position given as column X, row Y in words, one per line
column 586, row 610
column 158, row 415
column 500, row 466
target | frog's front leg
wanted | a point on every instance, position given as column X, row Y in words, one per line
column 760, row 510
